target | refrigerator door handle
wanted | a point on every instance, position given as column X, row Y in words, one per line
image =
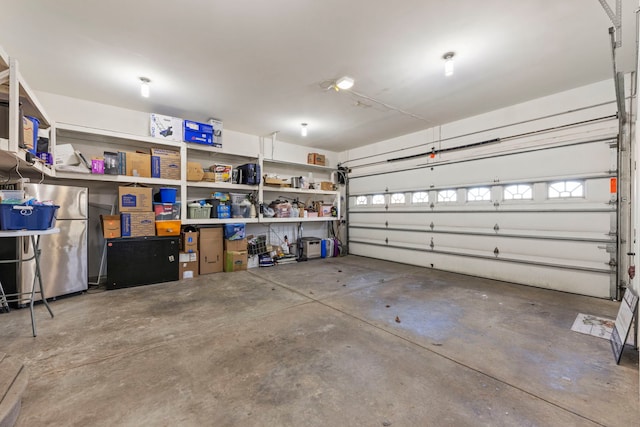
column 82, row 202
column 26, row 245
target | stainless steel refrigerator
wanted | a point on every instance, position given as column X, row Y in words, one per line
column 63, row 256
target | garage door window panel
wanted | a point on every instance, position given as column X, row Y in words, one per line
column 566, row 190
column 478, row 194
column 420, row 197
column 518, row 192
column 378, row 199
column 447, row 196
column 398, row 199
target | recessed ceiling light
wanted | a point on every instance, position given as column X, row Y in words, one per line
column 303, row 129
column 448, row 63
column 144, row 87
column 344, row 83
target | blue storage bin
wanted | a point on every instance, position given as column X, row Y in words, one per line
column 20, row 217
column 234, row 231
column 167, row 195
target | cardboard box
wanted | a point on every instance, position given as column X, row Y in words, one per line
column 165, row 164
column 138, row 224
column 210, row 250
column 66, row 155
column 325, row 210
column 188, row 256
column 234, row 231
column 217, row 132
column 326, row 186
column 188, row 266
column 235, row 261
column 221, row 173
column 316, row 159
column 235, row 245
column 111, row 163
column 190, row 241
column 135, row 199
column 209, row 176
column 30, row 133
column 200, row 133
column 138, row 164
column 194, row 171
column 165, row 127
column 110, row 226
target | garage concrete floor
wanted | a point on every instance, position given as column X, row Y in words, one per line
column 339, row 342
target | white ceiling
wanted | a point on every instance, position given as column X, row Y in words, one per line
column 260, row 65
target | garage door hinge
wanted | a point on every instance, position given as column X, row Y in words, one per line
column 386, row 240
column 496, row 204
column 431, row 244
column 496, row 251
column 431, row 225
column 496, row 228
column 610, row 248
column 613, row 263
column 386, row 223
column 432, row 206
column 386, row 207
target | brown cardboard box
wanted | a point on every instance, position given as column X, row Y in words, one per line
column 235, row 260
column 135, row 199
column 189, row 241
column 194, row 171
column 209, row 176
column 169, row 162
column 210, row 250
column 138, row 164
column 326, row 186
column 316, row 159
column 138, row 224
column 27, row 132
column 235, row 245
column 221, row 173
column 188, row 265
column 110, row 226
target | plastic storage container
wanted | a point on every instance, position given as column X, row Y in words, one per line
column 167, row 195
column 197, row 211
column 19, row 217
column 240, row 211
column 168, row 228
column 166, row 211
column 12, row 196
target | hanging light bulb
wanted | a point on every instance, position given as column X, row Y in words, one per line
column 448, row 63
column 303, row 129
column 144, row 87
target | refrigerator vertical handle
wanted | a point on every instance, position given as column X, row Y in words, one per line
column 82, row 202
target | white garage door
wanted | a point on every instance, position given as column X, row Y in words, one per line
column 544, row 217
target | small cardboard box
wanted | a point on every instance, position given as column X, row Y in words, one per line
column 138, row 224
column 165, row 127
column 217, row 132
column 210, row 250
column 165, row 164
column 194, row 171
column 235, row 261
column 316, row 159
column 190, row 241
column 135, row 199
column 188, row 269
column 200, row 133
column 235, row 245
column 138, row 164
column 111, row 163
column 209, row 176
column 326, row 186
column 221, row 173
column 110, row 226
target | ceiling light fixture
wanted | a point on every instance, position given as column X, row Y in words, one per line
column 144, row 87
column 303, row 129
column 344, row 83
column 448, row 63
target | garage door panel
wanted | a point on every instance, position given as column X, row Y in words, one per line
column 564, row 243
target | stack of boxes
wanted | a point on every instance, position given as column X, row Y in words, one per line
column 136, row 212
column 188, row 268
column 235, row 248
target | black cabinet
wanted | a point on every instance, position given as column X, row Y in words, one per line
column 141, row 261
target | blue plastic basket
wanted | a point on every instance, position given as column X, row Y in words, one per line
column 167, row 195
column 20, row 217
